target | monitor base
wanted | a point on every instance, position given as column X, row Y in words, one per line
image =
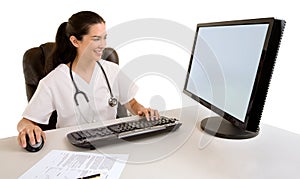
column 219, row 127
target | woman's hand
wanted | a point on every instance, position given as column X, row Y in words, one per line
column 136, row 108
column 150, row 114
column 34, row 132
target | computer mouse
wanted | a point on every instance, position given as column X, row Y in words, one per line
column 34, row 148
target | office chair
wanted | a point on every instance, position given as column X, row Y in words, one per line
column 34, row 70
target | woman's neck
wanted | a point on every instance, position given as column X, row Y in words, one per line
column 84, row 68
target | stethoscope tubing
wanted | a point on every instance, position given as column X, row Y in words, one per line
column 112, row 101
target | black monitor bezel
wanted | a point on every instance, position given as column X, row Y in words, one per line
column 263, row 76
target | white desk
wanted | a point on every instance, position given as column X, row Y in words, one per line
column 186, row 153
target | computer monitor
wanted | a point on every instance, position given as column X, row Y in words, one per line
column 229, row 72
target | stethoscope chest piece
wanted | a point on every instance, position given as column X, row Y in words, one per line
column 112, row 101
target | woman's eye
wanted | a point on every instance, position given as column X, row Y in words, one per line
column 96, row 39
column 99, row 38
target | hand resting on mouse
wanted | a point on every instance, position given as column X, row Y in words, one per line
column 33, row 131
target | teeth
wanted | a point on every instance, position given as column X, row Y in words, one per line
column 98, row 51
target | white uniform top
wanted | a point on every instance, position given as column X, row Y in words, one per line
column 56, row 92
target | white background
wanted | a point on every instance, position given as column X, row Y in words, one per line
column 25, row 24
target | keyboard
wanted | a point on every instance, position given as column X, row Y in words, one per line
column 106, row 135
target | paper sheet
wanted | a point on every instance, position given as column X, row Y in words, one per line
column 66, row 164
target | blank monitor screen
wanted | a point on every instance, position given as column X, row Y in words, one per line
column 230, row 69
column 237, row 51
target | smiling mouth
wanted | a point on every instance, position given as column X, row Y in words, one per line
column 98, row 52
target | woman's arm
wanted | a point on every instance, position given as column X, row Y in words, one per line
column 137, row 109
column 34, row 132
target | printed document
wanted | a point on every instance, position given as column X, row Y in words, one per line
column 67, row 164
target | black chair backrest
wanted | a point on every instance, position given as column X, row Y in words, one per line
column 34, row 70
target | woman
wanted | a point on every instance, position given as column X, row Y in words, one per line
column 77, row 77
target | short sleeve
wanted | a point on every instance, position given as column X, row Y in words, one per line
column 40, row 106
column 127, row 88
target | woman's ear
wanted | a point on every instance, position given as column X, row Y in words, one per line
column 74, row 41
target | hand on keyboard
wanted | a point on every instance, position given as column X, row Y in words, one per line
column 150, row 114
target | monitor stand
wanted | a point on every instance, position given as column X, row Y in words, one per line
column 219, row 127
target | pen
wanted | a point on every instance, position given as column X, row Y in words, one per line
column 91, row 176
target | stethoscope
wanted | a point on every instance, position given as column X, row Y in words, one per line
column 112, row 101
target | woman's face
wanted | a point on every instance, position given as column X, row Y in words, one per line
column 92, row 44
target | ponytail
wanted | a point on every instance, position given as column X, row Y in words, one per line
column 63, row 51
